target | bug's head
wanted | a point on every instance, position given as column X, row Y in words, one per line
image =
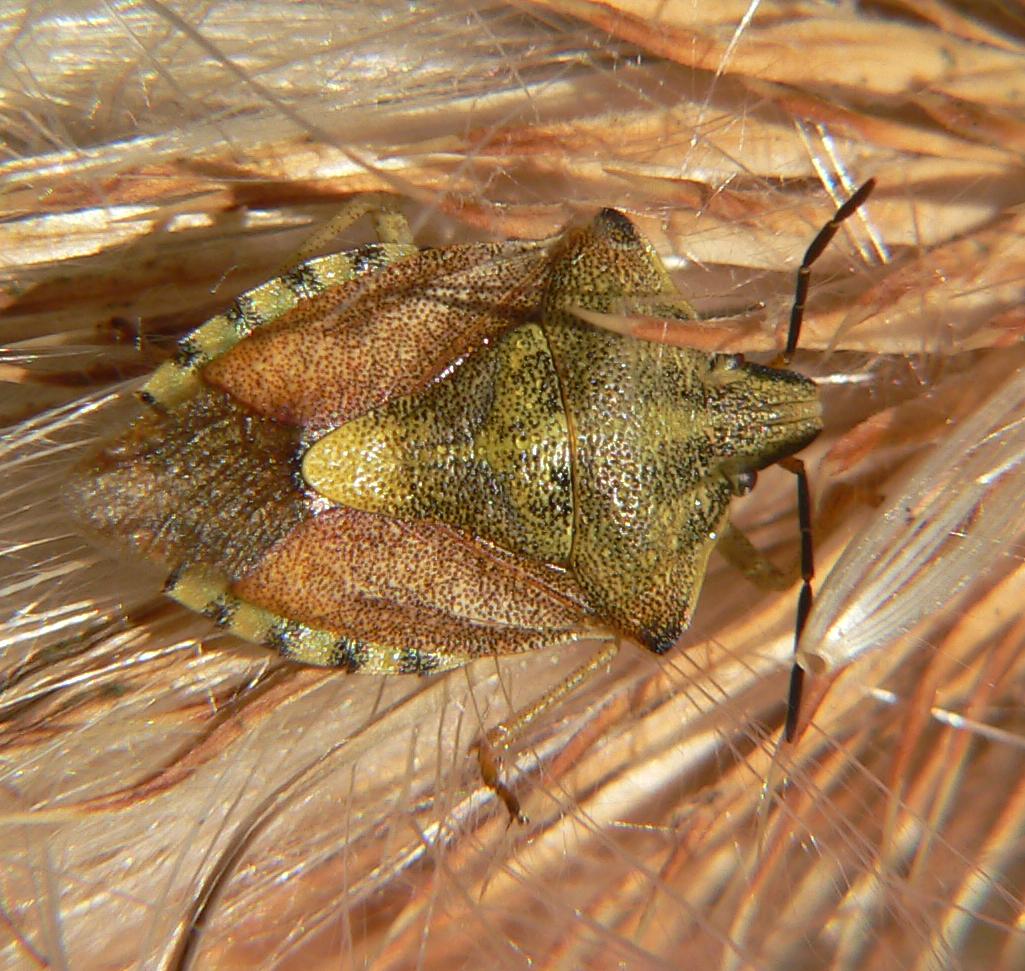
column 759, row 414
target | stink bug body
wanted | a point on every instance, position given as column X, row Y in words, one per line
column 398, row 460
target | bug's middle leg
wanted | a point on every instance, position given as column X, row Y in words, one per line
column 505, row 733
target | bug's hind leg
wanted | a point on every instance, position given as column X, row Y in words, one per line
column 505, row 733
column 300, row 279
column 390, row 224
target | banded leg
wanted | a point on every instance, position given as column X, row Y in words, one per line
column 179, row 379
column 506, row 732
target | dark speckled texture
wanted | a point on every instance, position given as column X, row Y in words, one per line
column 490, row 474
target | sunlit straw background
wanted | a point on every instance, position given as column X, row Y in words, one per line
column 171, row 798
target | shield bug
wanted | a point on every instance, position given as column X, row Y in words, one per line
column 397, row 460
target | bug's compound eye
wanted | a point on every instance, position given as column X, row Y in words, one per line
column 743, row 482
column 725, row 369
column 727, row 362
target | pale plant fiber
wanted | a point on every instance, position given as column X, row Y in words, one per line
column 170, row 797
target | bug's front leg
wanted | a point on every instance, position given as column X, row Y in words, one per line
column 503, row 735
column 747, row 559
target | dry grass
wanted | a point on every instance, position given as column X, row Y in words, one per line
column 173, row 799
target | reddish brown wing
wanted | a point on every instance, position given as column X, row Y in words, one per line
column 416, row 588
column 206, row 481
column 357, row 344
